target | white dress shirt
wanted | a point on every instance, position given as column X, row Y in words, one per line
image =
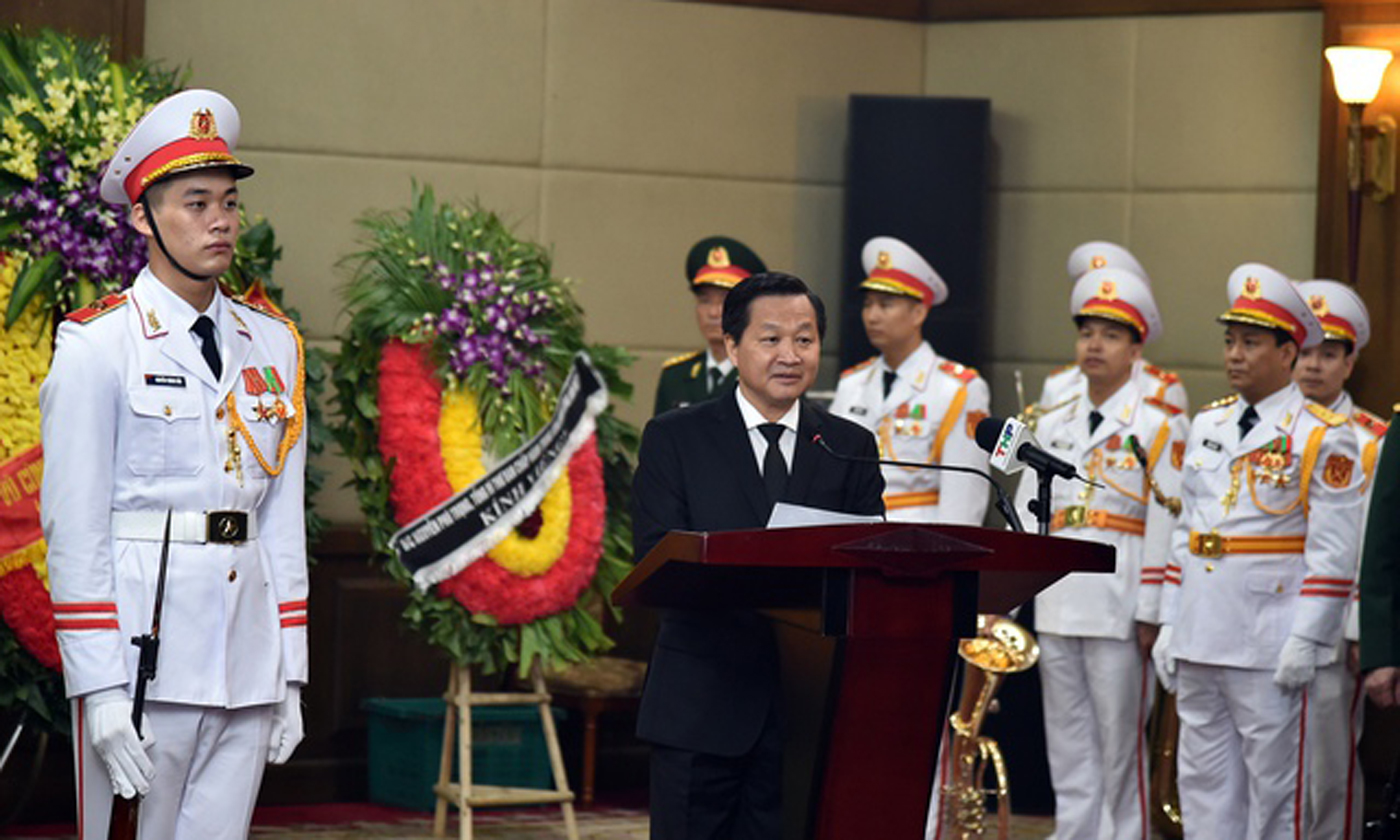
column 787, row 444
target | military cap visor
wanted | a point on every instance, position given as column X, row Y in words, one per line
column 721, row 261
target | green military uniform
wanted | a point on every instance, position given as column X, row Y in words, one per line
column 684, row 381
column 713, row 261
column 1380, row 561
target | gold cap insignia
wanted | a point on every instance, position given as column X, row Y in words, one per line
column 1099, row 261
column 883, row 261
column 1108, row 290
column 202, row 125
column 719, row 257
column 1252, row 288
column 1318, row 304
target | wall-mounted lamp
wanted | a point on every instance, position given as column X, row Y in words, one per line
column 1357, row 73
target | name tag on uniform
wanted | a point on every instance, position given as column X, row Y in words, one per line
column 860, row 409
column 1212, row 445
column 165, row 380
column 1061, row 444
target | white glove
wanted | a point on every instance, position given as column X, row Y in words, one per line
column 1162, row 660
column 1297, row 663
column 287, row 729
column 108, row 718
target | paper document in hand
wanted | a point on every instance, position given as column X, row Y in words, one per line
column 788, row 515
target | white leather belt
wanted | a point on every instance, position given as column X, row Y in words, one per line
column 186, row 526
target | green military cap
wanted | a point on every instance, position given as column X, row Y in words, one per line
column 721, row 261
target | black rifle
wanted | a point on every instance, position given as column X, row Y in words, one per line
column 126, row 813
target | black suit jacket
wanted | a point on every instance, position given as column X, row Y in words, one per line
column 714, row 674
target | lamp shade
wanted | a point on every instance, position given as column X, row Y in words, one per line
column 1357, row 72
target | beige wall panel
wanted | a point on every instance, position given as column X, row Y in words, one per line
column 1192, row 241
column 1060, row 94
column 1033, row 234
column 446, row 79
column 1228, row 101
column 691, row 88
column 313, row 202
column 625, row 238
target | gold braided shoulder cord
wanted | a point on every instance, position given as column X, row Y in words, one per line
column 294, row 426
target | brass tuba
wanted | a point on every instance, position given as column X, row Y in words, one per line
column 1000, row 647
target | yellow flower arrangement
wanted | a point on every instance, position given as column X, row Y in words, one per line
column 459, row 429
column 25, row 350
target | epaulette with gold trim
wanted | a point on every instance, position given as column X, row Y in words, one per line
column 857, row 368
column 1326, row 415
column 1166, row 376
column 1221, row 403
column 681, row 359
column 1063, row 369
column 263, row 307
column 962, row 373
column 1370, row 422
column 1170, row 409
column 97, row 308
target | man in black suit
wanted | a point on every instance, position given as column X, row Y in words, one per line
column 711, row 705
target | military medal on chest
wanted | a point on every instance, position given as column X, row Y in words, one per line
column 266, row 387
column 1269, row 464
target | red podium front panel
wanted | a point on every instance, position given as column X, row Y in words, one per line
column 896, row 597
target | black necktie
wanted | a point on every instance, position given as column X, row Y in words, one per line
column 1095, row 418
column 1247, row 421
column 775, row 471
column 204, row 328
column 889, row 381
column 716, row 377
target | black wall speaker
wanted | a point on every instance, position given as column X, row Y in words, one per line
column 917, row 171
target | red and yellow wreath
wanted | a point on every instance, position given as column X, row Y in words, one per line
column 459, row 343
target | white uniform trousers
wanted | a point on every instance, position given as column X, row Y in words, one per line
column 208, row 767
column 1241, row 771
column 1335, row 709
column 1097, row 697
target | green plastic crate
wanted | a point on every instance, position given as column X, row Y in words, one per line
column 405, row 747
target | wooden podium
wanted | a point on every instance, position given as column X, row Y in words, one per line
column 896, row 597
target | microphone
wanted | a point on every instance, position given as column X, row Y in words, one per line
column 1004, row 506
column 1013, row 447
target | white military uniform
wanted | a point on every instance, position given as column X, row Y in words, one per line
column 1335, row 703
column 1263, row 557
column 135, row 424
column 133, row 421
column 929, row 417
column 1096, row 688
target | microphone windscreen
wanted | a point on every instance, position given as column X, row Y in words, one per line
column 988, row 431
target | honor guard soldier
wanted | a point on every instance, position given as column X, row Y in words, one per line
column 1096, row 630
column 1335, row 702
column 1067, row 382
column 1261, row 569
column 922, row 407
column 713, row 267
column 175, row 398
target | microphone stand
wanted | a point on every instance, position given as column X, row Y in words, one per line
column 1040, row 505
column 1003, row 504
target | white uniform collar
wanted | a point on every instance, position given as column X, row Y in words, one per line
column 1277, row 412
column 724, row 366
column 165, row 311
column 913, row 370
column 753, row 418
column 1343, row 404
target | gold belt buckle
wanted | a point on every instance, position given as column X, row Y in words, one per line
column 1076, row 516
column 1210, row 545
